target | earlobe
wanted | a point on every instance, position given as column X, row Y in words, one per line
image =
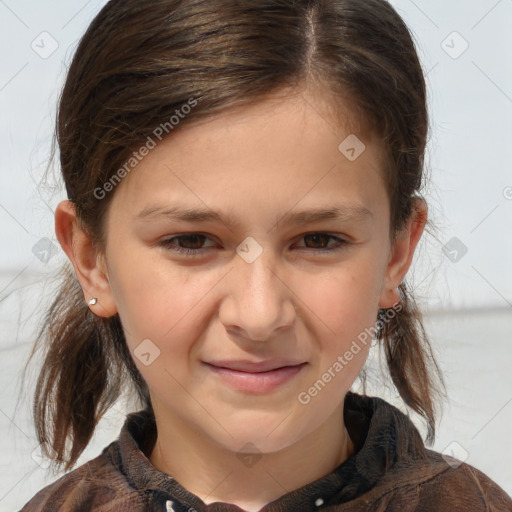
column 389, row 297
column 86, row 260
column 402, row 254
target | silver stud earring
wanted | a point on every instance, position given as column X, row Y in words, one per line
column 93, row 301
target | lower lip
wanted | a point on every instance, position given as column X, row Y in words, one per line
column 262, row 382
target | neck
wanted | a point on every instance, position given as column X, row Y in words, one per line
column 215, row 474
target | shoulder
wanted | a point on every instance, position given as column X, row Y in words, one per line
column 441, row 483
column 465, row 487
column 97, row 485
column 395, row 472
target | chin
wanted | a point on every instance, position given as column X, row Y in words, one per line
column 263, row 432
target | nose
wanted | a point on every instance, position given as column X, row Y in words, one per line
column 258, row 302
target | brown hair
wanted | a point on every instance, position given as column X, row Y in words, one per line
column 136, row 65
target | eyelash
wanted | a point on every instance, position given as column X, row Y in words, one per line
column 168, row 244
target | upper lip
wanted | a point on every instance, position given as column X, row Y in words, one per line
column 255, row 367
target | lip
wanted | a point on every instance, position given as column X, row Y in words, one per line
column 256, row 377
column 243, row 365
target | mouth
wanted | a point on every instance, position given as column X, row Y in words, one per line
column 255, row 377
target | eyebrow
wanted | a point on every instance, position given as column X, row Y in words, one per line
column 355, row 212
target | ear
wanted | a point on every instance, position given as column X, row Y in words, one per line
column 89, row 264
column 402, row 253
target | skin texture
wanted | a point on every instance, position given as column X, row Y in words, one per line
column 292, row 301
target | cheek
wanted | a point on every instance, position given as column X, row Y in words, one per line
column 345, row 301
column 160, row 308
column 155, row 299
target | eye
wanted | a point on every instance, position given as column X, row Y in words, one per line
column 194, row 239
column 192, row 244
column 322, row 239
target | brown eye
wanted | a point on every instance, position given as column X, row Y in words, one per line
column 190, row 245
column 318, row 239
column 320, row 242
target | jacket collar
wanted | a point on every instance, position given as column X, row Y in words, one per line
column 383, row 436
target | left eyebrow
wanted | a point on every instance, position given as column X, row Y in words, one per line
column 356, row 213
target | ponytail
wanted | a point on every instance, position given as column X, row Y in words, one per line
column 410, row 360
column 85, row 367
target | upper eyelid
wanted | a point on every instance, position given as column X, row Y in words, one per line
column 341, row 238
column 206, row 235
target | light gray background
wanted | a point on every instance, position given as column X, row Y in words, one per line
column 466, row 288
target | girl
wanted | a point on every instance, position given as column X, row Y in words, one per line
column 243, row 207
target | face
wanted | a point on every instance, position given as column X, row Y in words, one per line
column 248, row 306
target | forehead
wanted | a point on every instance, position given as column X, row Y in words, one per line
column 281, row 151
